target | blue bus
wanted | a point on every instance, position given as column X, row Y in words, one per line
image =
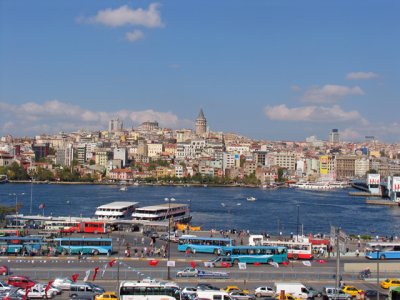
column 204, row 244
column 92, row 246
column 21, row 245
column 383, row 250
column 257, row 254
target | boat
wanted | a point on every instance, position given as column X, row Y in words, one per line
column 251, row 199
column 123, row 188
column 320, row 185
column 3, row 178
column 177, row 212
column 116, row 210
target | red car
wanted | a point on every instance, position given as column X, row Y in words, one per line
column 20, row 281
column 3, row 270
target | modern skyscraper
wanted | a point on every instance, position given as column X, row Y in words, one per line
column 115, row 125
column 334, row 136
column 201, row 123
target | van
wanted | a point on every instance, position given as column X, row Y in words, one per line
column 20, row 281
column 296, row 289
column 213, row 295
column 85, row 290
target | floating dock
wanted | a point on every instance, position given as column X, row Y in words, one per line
column 378, row 201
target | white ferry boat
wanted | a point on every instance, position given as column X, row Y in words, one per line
column 178, row 212
column 319, row 186
column 116, row 210
column 251, row 199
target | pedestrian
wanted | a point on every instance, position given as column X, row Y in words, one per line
column 357, row 252
column 359, row 243
column 321, row 252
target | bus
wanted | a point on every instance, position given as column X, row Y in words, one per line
column 77, row 226
column 18, row 245
column 256, row 254
column 83, row 245
column 383, row 250
column 296, row 250
column 148, row 290
column 195, row 244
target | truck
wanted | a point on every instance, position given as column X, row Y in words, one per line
column 296, row 289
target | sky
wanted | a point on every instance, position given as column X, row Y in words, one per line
column 266, row 69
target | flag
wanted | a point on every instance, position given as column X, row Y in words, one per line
column 193, row 264
column 87, row 276
column 153, row 262
column 95, row 273
column 48, row 287
column 225, row 264
column 274, row 264
column 321, row 261
column 257, row 264
column 42, row 206
column 242, row 266
column 307, row 263
column 74, row 277
column 285, row 263
column 111, row 263
column 28, row 288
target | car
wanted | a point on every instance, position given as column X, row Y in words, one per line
column 313, row 292
column 38, row 291
column 373, row 295
column 264, row 291
column 62, row 283
column 352, row 290
column 189, row 290
column 239, row 295
column 331, row 292
column 207, row 286
column 287, row 297
column 106, row 296
column 231, row 288
column 389, row 282
column 4, row 286
column 20, row 281
column 193, row 272
column 4, row 270
column 12, row 294
column 220, row 262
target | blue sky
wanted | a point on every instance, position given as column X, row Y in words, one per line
column 274, row 70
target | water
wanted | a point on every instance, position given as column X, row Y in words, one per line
column 274, row 211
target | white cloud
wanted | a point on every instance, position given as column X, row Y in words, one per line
column 295, row 88
column 54, row 116
column 124, row 15
column 361, row 75
column 330, row 93
column 333, row 114
column 134, row 35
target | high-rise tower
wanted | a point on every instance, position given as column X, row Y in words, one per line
column 201, row 123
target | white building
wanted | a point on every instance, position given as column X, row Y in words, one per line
column 154, row 149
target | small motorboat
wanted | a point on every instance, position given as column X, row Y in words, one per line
column 251, row 199
column 123, row 188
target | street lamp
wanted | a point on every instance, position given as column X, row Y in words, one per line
column 377, row 249
column 298, row 222
column 169, row 234
column 30, row 209
column 16, row 206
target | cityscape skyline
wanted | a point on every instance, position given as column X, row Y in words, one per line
column 273, row 70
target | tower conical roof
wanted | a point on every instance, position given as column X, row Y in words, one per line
column 201, row 115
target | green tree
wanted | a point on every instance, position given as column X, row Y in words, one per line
column 16, row 172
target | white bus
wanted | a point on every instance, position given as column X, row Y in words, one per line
column 148, row 290
column 296, row 250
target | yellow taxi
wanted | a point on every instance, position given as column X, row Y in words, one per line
column 107, row 296
column 287, row 297
column 390, row 282
column 234, row 288
column 351, row 290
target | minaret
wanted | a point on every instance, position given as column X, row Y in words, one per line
column 201, row 123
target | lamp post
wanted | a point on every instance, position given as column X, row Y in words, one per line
column 169, row 235
column 377, row 249
column 30, row 208
column 337, row 231
column 16, row 206
column 298, row 222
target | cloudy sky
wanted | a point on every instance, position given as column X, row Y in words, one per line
column 276, row 69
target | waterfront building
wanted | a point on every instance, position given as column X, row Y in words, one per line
column 361, row 166
column 121, row 174
column 345, row 166
column 285, row 160
column 201, row 124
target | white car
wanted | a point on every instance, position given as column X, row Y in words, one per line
column 189, row 290
column 38, row 291
column 62, row 283
column 4, row 286
column 264, row 291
